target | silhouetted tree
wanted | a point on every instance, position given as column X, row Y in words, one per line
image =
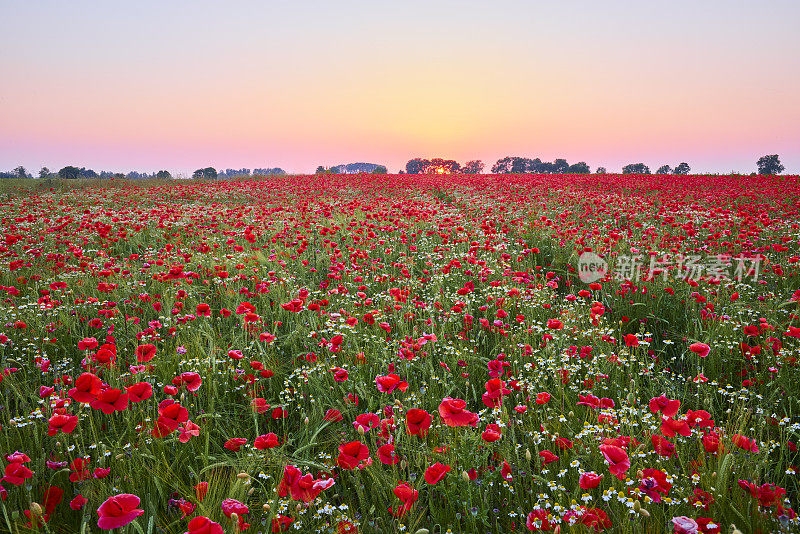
column 380, row 169
column 69, row 173
column 473, row 167
column 636, row 168
column 682, row 169
column 163, row 175
column 664, row 169
column 770, row 165
column 601, row 170
column 417, row 166
column 209, row 173
column 21, row 172
column 320, row 170
column 560, row 166
column 44, row 173
column 449, row 166
column 579, row 168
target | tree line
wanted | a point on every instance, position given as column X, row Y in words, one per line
column 767, row 165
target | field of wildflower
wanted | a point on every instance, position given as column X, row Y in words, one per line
column 401, row 354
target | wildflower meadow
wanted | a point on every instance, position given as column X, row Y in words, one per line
column 401, row 354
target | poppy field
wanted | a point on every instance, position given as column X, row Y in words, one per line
column 401, row 354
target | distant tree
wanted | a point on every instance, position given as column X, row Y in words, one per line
column 664, row 169
column 69, row 173
column 44, row 172
column 417, row 166
column 209, row 173
column 545, row 167
column 163, row 175
column 560, row 166
column 601, row 170
column 320, row 170
column 682, row 169
column 87, row 173
column 579, row 168
column 440, row 165
column 473, row 167
column 380, row 169
column 502, row 166
column 21, row 172
column 537, row 166
column 770, row 165
column 267, row 172
column 636, row 168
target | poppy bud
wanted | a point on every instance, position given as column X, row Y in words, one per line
column 644, row 512
column 235, row 517
column 306, row 421
column 252, row 490
column 361, row 430
column 637, row 506
column 243, row 476
column 465, row 475
column 528, row 454
column 266, row 507
column 299, row 507
column 36, row 509
column 571, row 414
column 422, row 531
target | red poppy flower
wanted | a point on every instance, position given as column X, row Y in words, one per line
column 407, row 495
column 170, row 415
column 589, row 480
column 333, row 415
column 203, row 525
column 436, row 472
column 495, row 390
column 139, row 391
column 387, row 455
column 671, row 427
column 390, row 382
column 667, row 406
column 64, row 422
column 234, row 444
column 631, row 340
column 266, row 441
column 618, row 460
column 417, row 422
column 453, row 413
column 16, row 473
column 191, row 380
column 145, row 353
column 118, row 511
column 492, row 433
column 78, row 502
column 87, row 386
column 701, row 349
column 351, row 454
column 110, row 400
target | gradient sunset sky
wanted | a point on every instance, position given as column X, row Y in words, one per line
column 178, row 85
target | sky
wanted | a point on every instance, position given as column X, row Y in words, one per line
column 178, row 85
